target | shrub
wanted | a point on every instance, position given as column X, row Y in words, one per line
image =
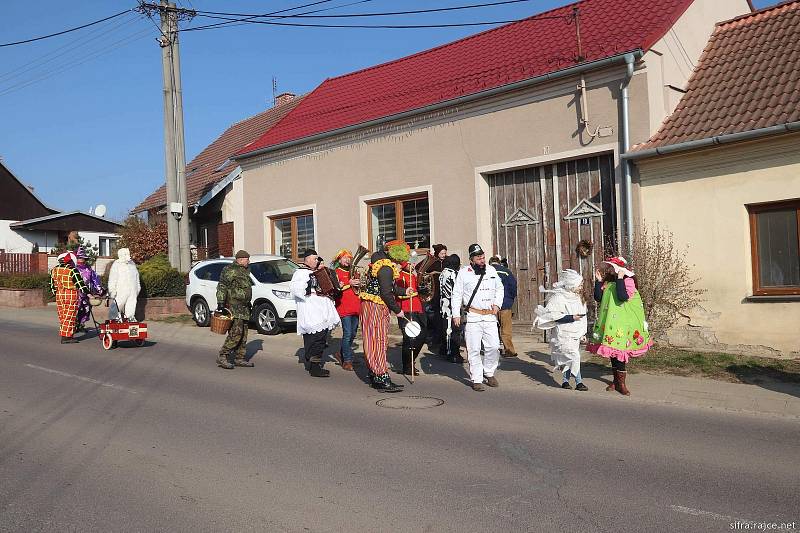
column 666, row 283
column 28, row 281
column 158, row 278
column 144, row 240
column 91, row 249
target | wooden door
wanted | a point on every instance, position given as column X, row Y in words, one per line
column 539, row 214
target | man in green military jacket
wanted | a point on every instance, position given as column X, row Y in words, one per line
column 234, row 293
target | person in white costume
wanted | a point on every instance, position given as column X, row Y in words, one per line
column 479, row 288
column 316, row 315
column 123, row 286
column 565, row 317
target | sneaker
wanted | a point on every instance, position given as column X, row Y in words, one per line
column 581, row 387
column 478, row 387
column 566, row 385
column 492, row 381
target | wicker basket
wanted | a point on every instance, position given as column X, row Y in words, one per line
column 220, row 322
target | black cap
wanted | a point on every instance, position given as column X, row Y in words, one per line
column 475, row 249
column 309, row 252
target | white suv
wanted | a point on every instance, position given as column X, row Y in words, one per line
column 273, row 304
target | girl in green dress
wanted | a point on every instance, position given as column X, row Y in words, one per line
column 620, row 331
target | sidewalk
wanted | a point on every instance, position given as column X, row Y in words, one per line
column 531, row 369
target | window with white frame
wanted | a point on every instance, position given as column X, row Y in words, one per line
column 107, row 245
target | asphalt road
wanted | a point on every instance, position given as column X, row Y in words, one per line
column 159, row 439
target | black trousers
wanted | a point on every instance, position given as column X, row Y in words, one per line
column 433, row 312
column 314, row 344
column 618, row 365
column 412, row 347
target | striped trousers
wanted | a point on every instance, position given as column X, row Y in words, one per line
column 375, row 332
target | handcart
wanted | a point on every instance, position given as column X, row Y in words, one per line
column 111, row 332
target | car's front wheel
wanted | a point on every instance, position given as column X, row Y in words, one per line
column 266, row 319
column 200, row 313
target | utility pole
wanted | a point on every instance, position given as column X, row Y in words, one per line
column 174, row 146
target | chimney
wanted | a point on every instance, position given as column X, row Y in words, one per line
column 283, row 98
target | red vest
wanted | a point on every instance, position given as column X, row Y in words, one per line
column 348, row 303
column 405, row 280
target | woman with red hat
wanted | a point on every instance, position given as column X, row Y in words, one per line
column 348, row 305
column 620, row 331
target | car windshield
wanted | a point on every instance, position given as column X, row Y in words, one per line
column 275, row 271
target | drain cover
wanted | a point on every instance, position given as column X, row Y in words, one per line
column 409, row 402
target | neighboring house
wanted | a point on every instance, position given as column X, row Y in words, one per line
column 723, row 175
column 511, row 138
column 26, row 222
column 209, row 178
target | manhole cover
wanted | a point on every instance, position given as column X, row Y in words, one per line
column 409, row 402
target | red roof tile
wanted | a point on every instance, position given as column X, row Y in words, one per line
column 521, row 50
column 747, row 78
column 212, row 164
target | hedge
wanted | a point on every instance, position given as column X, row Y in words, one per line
column 28, row 281
column 159, row 279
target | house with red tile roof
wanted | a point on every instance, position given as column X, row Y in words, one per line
column 209, row 179
column 510, row 138
column 722, row 174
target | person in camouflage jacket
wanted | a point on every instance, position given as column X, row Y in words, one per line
column 234, row 293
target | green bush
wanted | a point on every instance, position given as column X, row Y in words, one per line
column 159, row 279
column 28, row 281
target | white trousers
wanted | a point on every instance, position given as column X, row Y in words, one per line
column 126, row 303
column 477, row 333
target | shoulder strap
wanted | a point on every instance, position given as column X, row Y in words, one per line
column 474, row 292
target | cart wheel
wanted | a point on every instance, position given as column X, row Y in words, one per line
column 108, row 342
column 139, row 342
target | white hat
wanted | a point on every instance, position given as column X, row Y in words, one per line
column 569, row 280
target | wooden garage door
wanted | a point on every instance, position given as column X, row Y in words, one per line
column 539, row 214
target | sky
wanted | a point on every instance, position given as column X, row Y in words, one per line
column 81, row 115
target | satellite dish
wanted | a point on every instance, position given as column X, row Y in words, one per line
column 100, row 210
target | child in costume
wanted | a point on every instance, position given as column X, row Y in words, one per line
column 620, row 331
column 565, row 315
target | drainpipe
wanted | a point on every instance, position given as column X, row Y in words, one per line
column 626, row 166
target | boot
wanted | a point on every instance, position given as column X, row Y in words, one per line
column 386, row 387
column 621, row 388
column 317, row 371
column 613, row 384
column 224, row 363
column 243, row 362
column 347, row 365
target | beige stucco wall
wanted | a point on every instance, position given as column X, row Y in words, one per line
column 671, row 60
column 701, row 198
column 440, row 155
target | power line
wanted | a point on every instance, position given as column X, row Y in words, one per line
column 247, row 19
column 64, row 49
column 67, row 66
column 384, row 26
column 76, row 28
column 381, row 14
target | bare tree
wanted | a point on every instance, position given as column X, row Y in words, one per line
column 666, row 283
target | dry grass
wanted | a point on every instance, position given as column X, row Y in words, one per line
column 720, row 366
